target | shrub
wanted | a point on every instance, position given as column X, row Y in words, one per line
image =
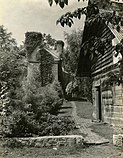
column 44, row 99
column 57, row 126
column 80, row 89
column 34, row 114
column 56, row 86
column 22, row 121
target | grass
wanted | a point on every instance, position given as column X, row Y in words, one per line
column 103, row 130
column 33, row 152
column 100, row 151
column 84, row 109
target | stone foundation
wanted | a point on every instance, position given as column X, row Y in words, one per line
column 49, row 141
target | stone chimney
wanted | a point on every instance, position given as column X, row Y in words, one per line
column 32, row 41
column 59, row 47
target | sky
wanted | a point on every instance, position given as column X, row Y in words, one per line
column 20, row 16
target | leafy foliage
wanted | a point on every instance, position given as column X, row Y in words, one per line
column 28, row 109
column 44, row 73
column 45, row 98
column 7, row 43
column 22, row 124
column 93, row 15
column 71, row 52
column 48, row 40
column 34, row 39
column 94, row 18
column 11, row 65
column 61, row 3
column 80, row 89
column 36, row 114
column 119, row 48
column 113, row 78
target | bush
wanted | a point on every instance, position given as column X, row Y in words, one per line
column 80, row 89
column 57, row 87
column 57, row 126
column 21, row 121
column 44, row 99
column 35, row 114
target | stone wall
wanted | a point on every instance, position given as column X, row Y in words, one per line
column 112, row 105
column 107, row 104
column 49, row 141
column 112, row 101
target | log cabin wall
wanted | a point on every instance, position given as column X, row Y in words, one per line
column 107, row 102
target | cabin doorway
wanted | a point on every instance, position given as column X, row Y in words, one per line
column 98, row 103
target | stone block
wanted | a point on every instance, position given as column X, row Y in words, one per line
column 107, row 94
column 117, row 114
column 118, row 101
column 118, row 87
column 118, row 108
column 107, row 101
column 38, row 145
column 116, row 121
column 52, row 141
column 118, row 140
column 118, row 130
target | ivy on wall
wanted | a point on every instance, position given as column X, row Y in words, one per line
column 46, row 65
column 45, row 59
column 114, row 77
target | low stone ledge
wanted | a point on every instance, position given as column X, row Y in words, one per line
column 49, row 141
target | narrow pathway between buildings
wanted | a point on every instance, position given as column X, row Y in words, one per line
column 84, row 127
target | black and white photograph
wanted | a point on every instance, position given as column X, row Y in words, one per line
column 61, row 78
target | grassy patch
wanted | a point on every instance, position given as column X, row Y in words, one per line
column 84, row 109
column 101, row 151
column 103, row 130
column 33, row 152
